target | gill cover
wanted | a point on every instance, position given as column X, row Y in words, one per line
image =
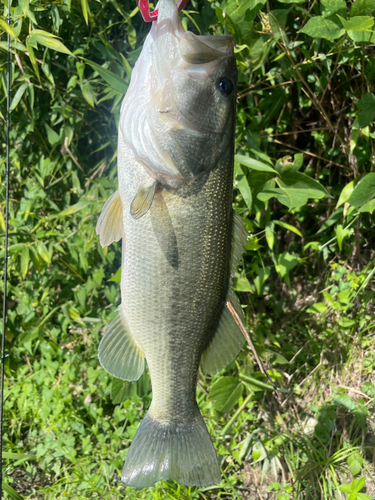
column 173, row 106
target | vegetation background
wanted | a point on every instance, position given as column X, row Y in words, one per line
column 305, row 185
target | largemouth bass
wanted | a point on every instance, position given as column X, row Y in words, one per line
column 181, row 241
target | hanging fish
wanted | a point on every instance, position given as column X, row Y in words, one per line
column 181, row 242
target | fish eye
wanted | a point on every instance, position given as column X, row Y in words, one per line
column 225, row 87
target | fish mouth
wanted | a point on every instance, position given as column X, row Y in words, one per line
column 201, row 50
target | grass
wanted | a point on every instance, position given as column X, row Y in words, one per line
column 319, row 435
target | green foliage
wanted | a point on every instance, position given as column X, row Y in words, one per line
column 304, row 184
column 353, row 490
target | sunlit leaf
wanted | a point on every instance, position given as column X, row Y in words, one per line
column 320, row 27
column 8, row 29
column 18, row 96
column 49, row 40
column 85, row 10
column 112, row 79
column 254, row 164
column 32, row 57
column 25, row 259
column 74, row 208
column 12, row 492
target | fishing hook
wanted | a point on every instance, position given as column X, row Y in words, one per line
column 144, row 7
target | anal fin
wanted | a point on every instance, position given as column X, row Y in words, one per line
column 142, row 201
column 119, row 354
column 227, row 341
column 110, row 225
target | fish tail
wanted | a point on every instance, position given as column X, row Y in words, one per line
column 180, row 450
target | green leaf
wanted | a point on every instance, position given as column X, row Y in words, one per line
column 257, row 385
column 18, row 96
column 11, row 492
column 369, row 389
column 43, row 252
column 341, row 234
column 53, row 137
column 7, row 29
column 24, row 5
column 285, row 263
column 363, row 192
column 317, row 308
column 332, row 7
column 263, row 273
column 368, row 207
column 243, row 185
column 367, row 111
column 47, row 71
column 362, row 496
column 346, row 323
column 85, row 10
column 112, row 79
column 362, row 8
column 362, row 37
column 242, row 284
column 295, row 189
column 32, row 57
column 270, row 237
column 88, row 94
column 25, row 259
column 320, row 27
column 74, row 208
column 346, row 193
column 355, row 462
column 50, row 41
column 225, row 393
column 18, row 456
column 289, row 227
column 345, row 488
column 117, row 276
column 359, row 23
column 345, row 400
column 358, row 484
column 31, row 16
column 253, row 164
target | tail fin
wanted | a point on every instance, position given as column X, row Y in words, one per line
column 182, row 451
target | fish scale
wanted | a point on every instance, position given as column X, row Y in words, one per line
column 184, row 311
column 181, row 243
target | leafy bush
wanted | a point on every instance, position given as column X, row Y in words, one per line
column 305, row 185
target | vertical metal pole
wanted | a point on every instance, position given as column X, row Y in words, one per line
column 5, row 260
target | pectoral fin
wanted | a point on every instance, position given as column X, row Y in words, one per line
column 142, row 201
column 110, row 225
column 119, row 354
column 227, row 341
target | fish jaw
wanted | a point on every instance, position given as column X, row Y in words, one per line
column 174, row 84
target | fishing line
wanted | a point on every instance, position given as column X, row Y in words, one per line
column 5, row 260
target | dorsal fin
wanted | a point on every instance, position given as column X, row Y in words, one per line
column 228, row 339
column 239, row 240
column 110, row 225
